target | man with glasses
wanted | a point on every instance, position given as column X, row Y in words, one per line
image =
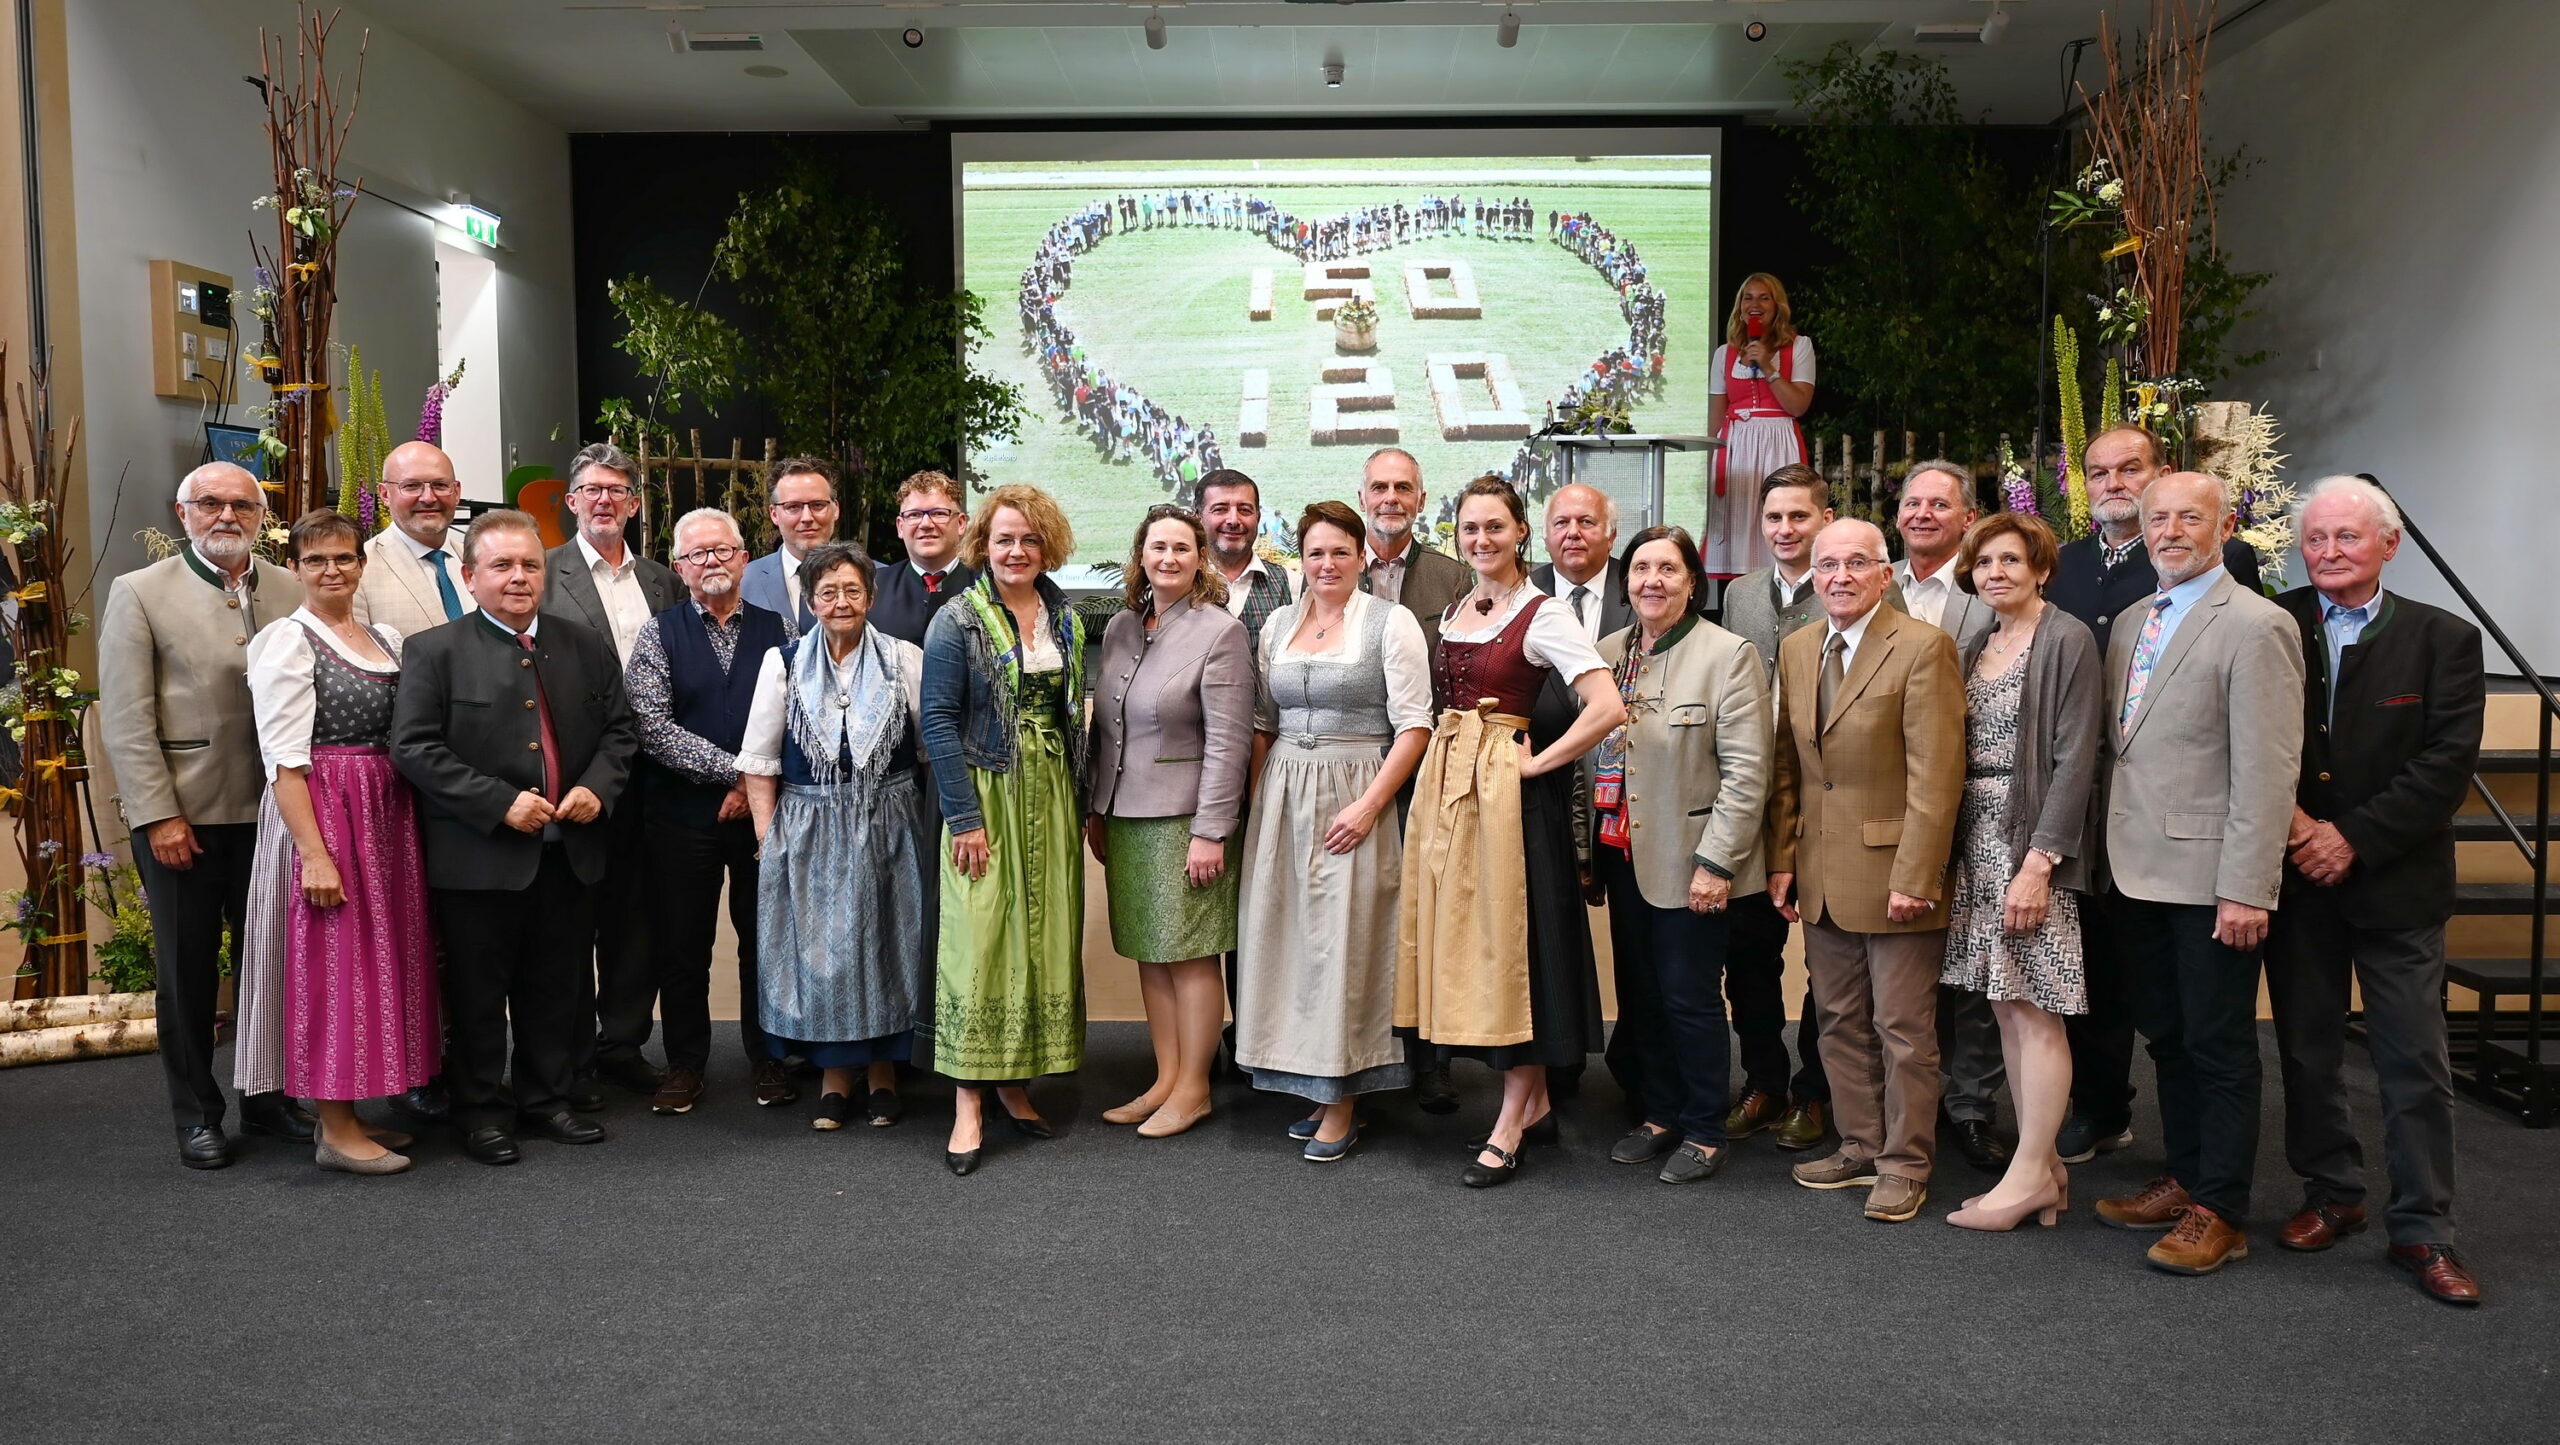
column 801, row 498
column 413, row 568
column 174, row 708
column 932, row 513
column 691, row 678
column 1862, row 813
column 600, row 582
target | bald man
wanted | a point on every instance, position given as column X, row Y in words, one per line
column 173, row 688
column 413, row 568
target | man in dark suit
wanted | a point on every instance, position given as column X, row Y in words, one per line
column 932, row 514
column 2095, row 579
column 1585, row 575
column 515, row 732
column 599, row 581
column 2392, row 708
column 800, row 497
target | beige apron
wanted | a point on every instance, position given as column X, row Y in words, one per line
column 1462, row 937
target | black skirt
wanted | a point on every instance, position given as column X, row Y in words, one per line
column 1564, row 984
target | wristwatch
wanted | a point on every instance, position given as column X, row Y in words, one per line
column 2050, row 856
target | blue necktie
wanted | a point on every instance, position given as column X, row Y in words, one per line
column 444, row 586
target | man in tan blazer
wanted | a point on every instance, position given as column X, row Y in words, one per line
column 413, row 568
column 1867, row 772
column 173, row 691
column 2204, row 685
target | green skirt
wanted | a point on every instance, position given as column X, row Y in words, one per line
column 1156, row 915
column 1008, row 988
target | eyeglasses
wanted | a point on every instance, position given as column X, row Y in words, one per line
column 614, row 494
column 1854, row 566
column 803, row 509
column 334, row 562
column 445, row 488
column 216, row 507
column 920, row 514
column 831, row 596
column 705, row 556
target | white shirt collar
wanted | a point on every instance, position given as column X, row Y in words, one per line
column 595, row 559
column 922, row 570
column 421, row 550
column 531, row 629
column 1855, row 632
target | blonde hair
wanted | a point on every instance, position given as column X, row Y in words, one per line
column 1782, row 327
column 1057, row 539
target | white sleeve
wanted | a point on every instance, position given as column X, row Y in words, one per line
column 1717, row 365
column 392, row 641
column 280, row 695
column 1408, row 659
column 760, row 751
column 1556, row 642
column 1800, row 360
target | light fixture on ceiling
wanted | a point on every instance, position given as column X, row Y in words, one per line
column 767, row 72
column 1996, row 24
column 1507, row 33
column 1756, row 31
column 913, row 37
column 1993, row 26
column 1155, row 31
column 1333, row 75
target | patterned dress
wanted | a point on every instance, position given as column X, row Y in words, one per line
column 2044, row 967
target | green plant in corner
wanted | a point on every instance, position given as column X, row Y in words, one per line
column 689, row 357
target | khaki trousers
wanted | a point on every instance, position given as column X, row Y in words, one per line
column 1878, row 997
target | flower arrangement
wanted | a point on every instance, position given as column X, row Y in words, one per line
column 1356, row 315
column 2237, row 442
column 2073, row 482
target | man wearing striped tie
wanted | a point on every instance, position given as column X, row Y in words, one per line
column 2205, row 695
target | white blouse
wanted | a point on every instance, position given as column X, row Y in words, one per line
column 769, row 713
column 1722, row 373
column 1402, row 648
column 280, row 683
column 1555, row 642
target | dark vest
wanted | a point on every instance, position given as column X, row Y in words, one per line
column 704, row 703
column 902, row 608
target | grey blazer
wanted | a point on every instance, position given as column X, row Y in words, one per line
column 1697, row 763
column 1752, row 613
column 1967, row 618
column 397, row 589
column 2200, row 785
column 1173, row 719
column 2053, row 779
column 173, row 689
column 569, row 591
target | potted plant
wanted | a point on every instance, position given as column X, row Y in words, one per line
column 1355, row 326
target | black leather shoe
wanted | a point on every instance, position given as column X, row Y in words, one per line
column 1644, row 1146
column 1480, row 1175
column 203, row 1146
column 1034, row 1127
column 1433, row 1093
column 586, row 1094
column 277, row 1117
column 629, row 1071
column 1690, row 1164
column 563, row 1128
column 1980, row 1145
column 962, row 1163
column 2084, row 1138
column 425, row 1104
column 492, row 1145
column 883, row 1108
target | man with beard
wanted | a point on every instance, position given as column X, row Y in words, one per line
column 174, row 708
column 2096, row 579
column 1231, row 510
column 413, row 568
column 691, row 678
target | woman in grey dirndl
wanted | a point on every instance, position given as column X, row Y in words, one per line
column 830, row 764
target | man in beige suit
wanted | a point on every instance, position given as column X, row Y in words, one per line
column 1867, row 772
column 173, row 691
column 2204, row 684
column 413, row 568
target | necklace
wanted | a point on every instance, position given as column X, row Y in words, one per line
column 2000, row 642
column 1323, row 631
column 1485, row 605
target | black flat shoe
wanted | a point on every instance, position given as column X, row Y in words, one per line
column 586, row 1095
column 1480, row 1175
column 563, row 1128
column 1643, row 1146
column 425, row 1104
column 204, row 1146
column 832, row 1111
column 277, row 1117
column 1034, row 1127
column 962, row 1163
column 492, row 1145
column 1690, row 1164
column 1433, row 1092
column 884, row 1108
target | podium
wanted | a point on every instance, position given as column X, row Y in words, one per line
column 1633, row 470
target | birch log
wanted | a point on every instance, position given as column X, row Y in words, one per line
column 79, row 1041
column 80, row 1008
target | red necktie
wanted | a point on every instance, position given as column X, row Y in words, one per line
column 932, row 582
column 550, row 740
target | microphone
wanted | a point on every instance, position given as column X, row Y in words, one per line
column 1756, row 325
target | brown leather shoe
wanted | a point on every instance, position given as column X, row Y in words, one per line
column 773, row 1083
column 2202, row 1242
column 678, row 1091
column 1758, row 1110
column 2320, row 1226
column 2439, row 1271
column 2156, row 1207
column 1837, row 1171
column 1806, row 1125
column 1895, row 1199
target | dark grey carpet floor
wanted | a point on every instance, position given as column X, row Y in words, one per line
column 733, row 1274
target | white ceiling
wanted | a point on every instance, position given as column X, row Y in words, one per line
column 607, row 65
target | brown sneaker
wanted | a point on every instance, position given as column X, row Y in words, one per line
column 2201, row 1243
column 1837, row 1171
column 678, row 1090
column 1895, row 1199
column 1806, row 1125
column 2156, row 1207
column 1758, row 1110
column 773, row 1083
column 2320, row 1226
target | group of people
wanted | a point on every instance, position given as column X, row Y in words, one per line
column 2023, row 799
column 1603, row 249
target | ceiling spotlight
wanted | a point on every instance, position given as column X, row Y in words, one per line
column 1507, row 33
column 1155, row 31
column 1996, row 25
column 1333, row 75
column 1756, row 31
column 913, row 37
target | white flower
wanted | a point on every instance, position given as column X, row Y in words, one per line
column 2112, row 192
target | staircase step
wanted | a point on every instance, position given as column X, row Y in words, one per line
column 2501, row 975
column 2512, row 760
column 2485, row 827
column 2498, row 898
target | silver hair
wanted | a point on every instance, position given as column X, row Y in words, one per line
column 2385, row 510
column 708, row 514
column 606, row 455
column 1873, row 532
column 187, row 483
column 1962, row 474
column 1608, row 504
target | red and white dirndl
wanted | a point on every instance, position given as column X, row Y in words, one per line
column 1759, row 437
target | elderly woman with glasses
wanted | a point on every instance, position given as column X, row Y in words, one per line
column 1171, row 750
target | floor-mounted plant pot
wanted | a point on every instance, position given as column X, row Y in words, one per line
column 1357, row 341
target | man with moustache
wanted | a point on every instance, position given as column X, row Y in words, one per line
column 514, row 730
column 1231, row 510
column 174, row 711
column 598, row 580
column 932, row 514
column 413, row 568
column 2096, row 579
column 800, row 497
column 1936, row 509
column 691, row 678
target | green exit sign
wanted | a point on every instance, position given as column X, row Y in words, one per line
column 480, row 225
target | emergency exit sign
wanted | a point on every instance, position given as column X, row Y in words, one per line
column 480, row 225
